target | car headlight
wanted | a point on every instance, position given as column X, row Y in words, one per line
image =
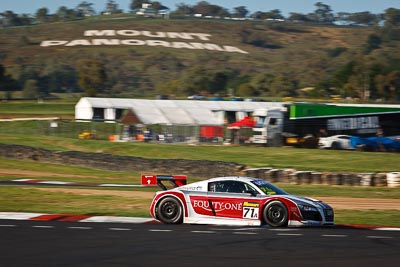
column 307, row 207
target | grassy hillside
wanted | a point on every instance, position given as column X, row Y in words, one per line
column 300, row 54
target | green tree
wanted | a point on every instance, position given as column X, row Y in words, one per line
column 342, row 75
column 373, row 42
column 137, row 4
column 246, row 89
column 64, row 14
column 299, row 17
column 218, row 81
column 392, row 17
column 157, row 5
column 323, row 14
column 389, row 85
column 359, row 83
column 31, row 89
column 195, row 80
column 363, row 18
column 92, row 76
column 240, row 12
column 9, row 18
column 207, row 9
column 112, row 7
column 85, row 9
column 262, row 82
column 42, row 15
column 183, row 9
column 274, row 14
column 283, row 85
column 7, row 83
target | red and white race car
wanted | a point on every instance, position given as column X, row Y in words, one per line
column 233, row 201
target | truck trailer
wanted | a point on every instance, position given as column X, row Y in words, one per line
column 301, row 124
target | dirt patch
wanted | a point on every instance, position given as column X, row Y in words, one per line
column 348, row 203
column 339, row 203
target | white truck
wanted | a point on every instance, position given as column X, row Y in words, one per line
column 269, row 127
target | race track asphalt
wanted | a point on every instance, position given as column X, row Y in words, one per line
column 55, row 243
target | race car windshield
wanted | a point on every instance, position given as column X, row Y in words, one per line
column 268, row 188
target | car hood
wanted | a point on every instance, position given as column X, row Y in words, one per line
column 309, row 201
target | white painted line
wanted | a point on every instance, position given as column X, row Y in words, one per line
column 159, row 230
column 31, row 119
column 54, row 182
column 334, row 235
column 248, row 229
column 80, row 228
column 21, row 180
column 284, row 234
column 43, row 226
column 203, row 232
column 117, row 219
column 19, row 215
column 244, row 233
column 283, row 229
column 119, row 229
column 379, row 237
column 235, row 229
column 8, row 225
column 387, row 229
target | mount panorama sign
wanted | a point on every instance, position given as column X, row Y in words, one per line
column 192, row 40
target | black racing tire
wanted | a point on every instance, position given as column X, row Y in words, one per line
column 275, row 214
column 336, row 146
column 170, row 211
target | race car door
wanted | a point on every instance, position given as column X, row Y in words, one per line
column 233, row 199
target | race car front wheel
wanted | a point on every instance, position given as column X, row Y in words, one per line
column 276, row 214
column 170, row 211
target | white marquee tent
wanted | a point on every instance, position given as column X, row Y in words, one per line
column 166, row 112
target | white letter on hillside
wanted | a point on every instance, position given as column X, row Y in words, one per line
column 156, row 35
column 105, row 41
column 133, row 42
column 157, row 43
column 128, row 32
column 99, row 33
column 78, row 42
column 179, row 35
column 181, row 45
column 202, row 36
column 234, row 49
column 207, row 46
column 51, row 43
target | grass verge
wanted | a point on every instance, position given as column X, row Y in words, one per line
column 42, row 200
column 390, row 218
column 28, row 199
column 251, row 156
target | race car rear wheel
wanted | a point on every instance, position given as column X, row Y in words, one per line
column 276, row 214
column 170, row 211
column 336, row 145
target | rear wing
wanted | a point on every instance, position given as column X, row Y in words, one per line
column 154, row 179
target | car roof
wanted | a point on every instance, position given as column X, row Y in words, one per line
column 235, row 178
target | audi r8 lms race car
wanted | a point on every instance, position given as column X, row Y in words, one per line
column 233, row 201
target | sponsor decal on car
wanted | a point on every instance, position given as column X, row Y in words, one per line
column 192, row 188
column 251, row 210
column 216, row 206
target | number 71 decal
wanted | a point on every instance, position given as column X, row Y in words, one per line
column 250, row 210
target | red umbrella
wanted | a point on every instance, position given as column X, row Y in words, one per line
column 245, row 122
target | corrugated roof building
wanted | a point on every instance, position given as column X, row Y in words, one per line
column 167, row 112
